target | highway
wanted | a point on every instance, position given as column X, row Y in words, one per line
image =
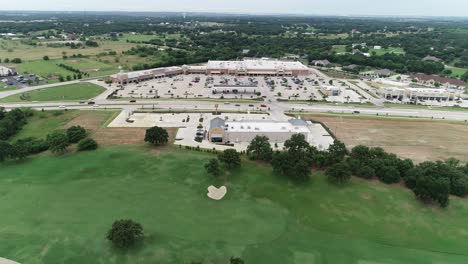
column 275, row 108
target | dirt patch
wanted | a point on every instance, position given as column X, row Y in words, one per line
column 105, row 136
column 414, row 139
column 119, row 136
column 90, row 121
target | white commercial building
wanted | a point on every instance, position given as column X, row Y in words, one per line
column 246, row 130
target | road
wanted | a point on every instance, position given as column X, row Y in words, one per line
column 276, row 109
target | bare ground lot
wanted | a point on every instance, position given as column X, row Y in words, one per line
column 419, row 140
column 97, row 126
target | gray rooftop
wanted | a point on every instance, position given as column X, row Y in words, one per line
column 217, row 122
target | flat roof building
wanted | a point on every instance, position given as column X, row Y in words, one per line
column 222, row 131
column 250, row 67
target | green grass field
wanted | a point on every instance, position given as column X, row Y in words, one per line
column 143, row 37
column 50, row 70
column 42, row 123
column 58, row 210
column 456, row 72
column 380, row 52
column 70, row 92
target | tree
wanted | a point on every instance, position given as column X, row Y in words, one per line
column 389, row 174
column 46, row 58
column 87, row 144
column 260, row 149
column 125, row 233
column 296, row 161
column 58, row 142
column 365, row 172
column 213, row 167
column 156, row 136
column 301, row 171
column 339, row 173
column 432, row 188
column 231, row 158
column 5, row 150
column 75, row 134
column 236, row 260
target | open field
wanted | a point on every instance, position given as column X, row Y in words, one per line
column 50, row 70
column 383, row 51
column 94, row 121
column 42, row 123
column 456, row 72
column 69, row 92
column 279, row 222
column 16, row 49
column 143, row 37
column 415, row 139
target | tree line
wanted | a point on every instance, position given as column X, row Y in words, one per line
column 431, row 182
column 57, row 141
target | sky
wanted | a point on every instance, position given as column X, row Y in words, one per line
column 312, row 7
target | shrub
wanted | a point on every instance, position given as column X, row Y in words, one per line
column 87, row 144
column 389, row 175
column 339, row 173
column 58, row 142
column 366, row 172
column 75, row 134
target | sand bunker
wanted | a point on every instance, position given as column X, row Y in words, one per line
column 217, row 193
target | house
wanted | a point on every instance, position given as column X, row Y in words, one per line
column 362, row 45
column 323, row 63
column 7, row 71
column 383, row 73
column 351, row 67
column 356, row 51
column 432, row 79
column 431, row 58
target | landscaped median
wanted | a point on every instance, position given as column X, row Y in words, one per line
column 68, row 92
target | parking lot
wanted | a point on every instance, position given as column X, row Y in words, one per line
column 19, row 81
column 239, row 87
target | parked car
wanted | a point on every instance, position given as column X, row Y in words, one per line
column 263, row 105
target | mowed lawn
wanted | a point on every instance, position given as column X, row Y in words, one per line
column 69, row 92
column 57, row 209
column 50, row 70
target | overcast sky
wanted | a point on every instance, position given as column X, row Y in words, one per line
column 319, row 7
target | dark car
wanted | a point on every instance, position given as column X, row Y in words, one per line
column 132, row 101
column 356, row 112
column 91, row 103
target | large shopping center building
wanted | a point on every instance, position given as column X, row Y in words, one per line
column 258, row 67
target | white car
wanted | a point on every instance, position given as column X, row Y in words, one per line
column 95, row 105
column 62, row 107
